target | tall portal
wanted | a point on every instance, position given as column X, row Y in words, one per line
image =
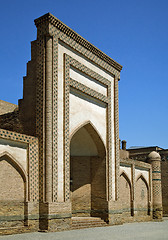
column 70, row 83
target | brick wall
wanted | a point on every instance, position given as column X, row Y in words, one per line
column 135, row 200
column 12, row 195
column 81, row 185
column 125, row 195
column 11, row 183
column 164, row 170
column 6, row 107
column 88, row 188
column 98, row 187
column 141, row 197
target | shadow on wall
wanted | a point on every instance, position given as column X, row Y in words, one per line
column 88, row 173
column 12, row 192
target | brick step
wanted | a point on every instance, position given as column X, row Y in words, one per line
column 14, row 230
column 87, row 222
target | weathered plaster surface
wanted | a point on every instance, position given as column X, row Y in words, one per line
column 127, row 170
column 16, row 149
column 80, row 109
column 89, row 82
column 82, row 144
column 144, row 173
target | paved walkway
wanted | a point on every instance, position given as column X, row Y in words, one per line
column 129, row 231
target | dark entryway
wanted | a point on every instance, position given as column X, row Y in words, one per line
column 88, row 173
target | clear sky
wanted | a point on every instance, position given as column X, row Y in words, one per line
column 132, row 32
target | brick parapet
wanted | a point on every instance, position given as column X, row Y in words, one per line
column 136, row 163
column 49, row 18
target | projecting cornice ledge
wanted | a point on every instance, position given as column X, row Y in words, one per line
column 72, row 34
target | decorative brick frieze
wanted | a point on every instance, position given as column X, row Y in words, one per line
column 55, row 118
column 40, row 111
column 49, row 18
column 81, row 87
column 116, row 127
column 88, row 71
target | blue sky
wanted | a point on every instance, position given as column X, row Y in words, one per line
column 132, row 32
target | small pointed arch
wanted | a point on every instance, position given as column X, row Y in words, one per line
column 126, row 193
column 123, row 173
column 142, row 195
column 11, row 160
column 140, row 176
column 94, row 134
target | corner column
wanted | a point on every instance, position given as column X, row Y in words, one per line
column 116, row 122
column 155, row 160
column 48, row 118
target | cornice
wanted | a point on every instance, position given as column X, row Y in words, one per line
column 136, row 163
column 75, row 36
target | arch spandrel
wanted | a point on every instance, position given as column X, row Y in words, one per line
column 124, row 174
column 84, row 109
column 9, row 158
column 141, row 177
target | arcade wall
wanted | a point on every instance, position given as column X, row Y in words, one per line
column 135, row 190
column 18, row 180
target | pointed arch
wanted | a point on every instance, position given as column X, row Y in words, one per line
column 88, row 171
column 126, row 195
column 95, row 135
column 77, row 128
column 140, row 176
column 14, row 186
column 11, row 160
column 124, row 174
column 142, row 195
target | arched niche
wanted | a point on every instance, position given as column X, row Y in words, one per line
column 12, row 188
column 141, row 196
column 88, row 172
column 125, row 194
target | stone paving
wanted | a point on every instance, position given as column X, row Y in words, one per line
column 129, row 231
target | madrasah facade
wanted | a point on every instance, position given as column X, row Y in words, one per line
column 60, row 161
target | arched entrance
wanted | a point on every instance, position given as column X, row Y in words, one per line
column 12, row 191
column 88, row 173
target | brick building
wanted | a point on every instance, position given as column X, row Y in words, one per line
column 60, row 163
column 141, row 154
